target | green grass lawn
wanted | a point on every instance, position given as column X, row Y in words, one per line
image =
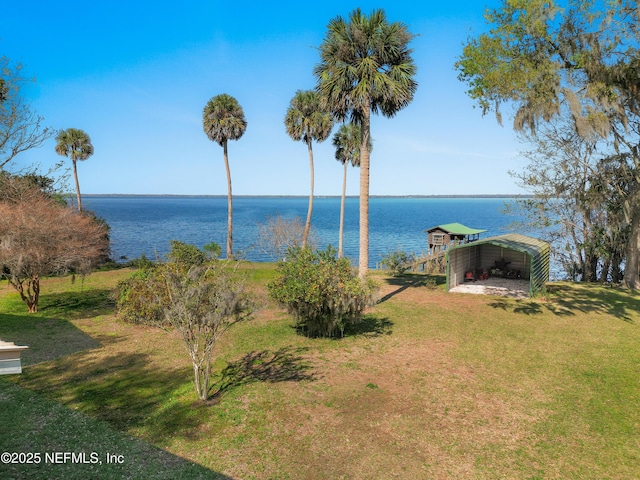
column 429, row 385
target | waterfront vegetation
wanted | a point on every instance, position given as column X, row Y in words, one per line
column 428, row 385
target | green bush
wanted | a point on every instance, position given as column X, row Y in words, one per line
column 186, row 254
column 213, row 250
column 141, row 297
column 141, row 262
column 322, row 292
column 397, row 262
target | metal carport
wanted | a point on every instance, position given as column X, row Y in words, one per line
column 526, row 258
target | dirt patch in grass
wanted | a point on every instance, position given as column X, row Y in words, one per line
column 409, row 411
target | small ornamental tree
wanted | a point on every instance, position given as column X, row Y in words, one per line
column 203, row 303
column 321, row 291
column 197, row 295
column 40, row 237
column 143, row 298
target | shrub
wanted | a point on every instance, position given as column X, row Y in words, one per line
column 322, row 292
column 186, row 254
column 397, row 262
column 204, row 302
column 141, row 262
column 199, row 297
column 212, row 250
column 140, row 298
column 143, row 297
column 431, row 284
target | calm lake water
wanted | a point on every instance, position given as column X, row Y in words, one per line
column 146, row 224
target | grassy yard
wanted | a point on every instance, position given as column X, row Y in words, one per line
column 429, row 385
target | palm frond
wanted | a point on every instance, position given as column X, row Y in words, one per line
column 223, row 119
column 307, row 118
column 366, row 62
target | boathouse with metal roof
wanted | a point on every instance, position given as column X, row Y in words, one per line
column 441, row 237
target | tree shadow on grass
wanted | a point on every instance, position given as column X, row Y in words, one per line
column 87, row 303
column 570, row 299
column 123, row 389
column 47, row 338
column 369, row 326
column 283, row 365
column 49, row 333
column 411, row 280
column 32, row 422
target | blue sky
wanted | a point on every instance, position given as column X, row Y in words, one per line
column 136, row 76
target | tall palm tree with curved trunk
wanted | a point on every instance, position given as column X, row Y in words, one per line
column 75, row 144
column 347, row 141
column 223, row 120
column 307, row 120
column 365, row 67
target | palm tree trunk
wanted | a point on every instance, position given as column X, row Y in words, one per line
column 344, row 194
column 229, row 204
column 307, row 225
column 363, row 264
column 75, row 176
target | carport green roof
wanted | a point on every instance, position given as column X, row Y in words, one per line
column 457, row 229
column 514, row 241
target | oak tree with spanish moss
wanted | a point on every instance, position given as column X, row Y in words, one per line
column 568, row 58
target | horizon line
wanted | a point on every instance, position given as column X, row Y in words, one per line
column 184, row 195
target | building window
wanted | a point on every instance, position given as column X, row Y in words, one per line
column 438, row 239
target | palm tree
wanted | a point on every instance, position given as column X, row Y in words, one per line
column 347, row 142
column 365, row 66
column 223, row 120
column 306, row 120
column 74, row 143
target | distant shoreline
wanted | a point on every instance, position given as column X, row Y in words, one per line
column 169, row 195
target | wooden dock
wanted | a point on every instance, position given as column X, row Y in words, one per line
column 420, row 263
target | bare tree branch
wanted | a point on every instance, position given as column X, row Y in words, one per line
column 21, row 129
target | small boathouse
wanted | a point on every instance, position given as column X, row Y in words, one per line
column 442, row 237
